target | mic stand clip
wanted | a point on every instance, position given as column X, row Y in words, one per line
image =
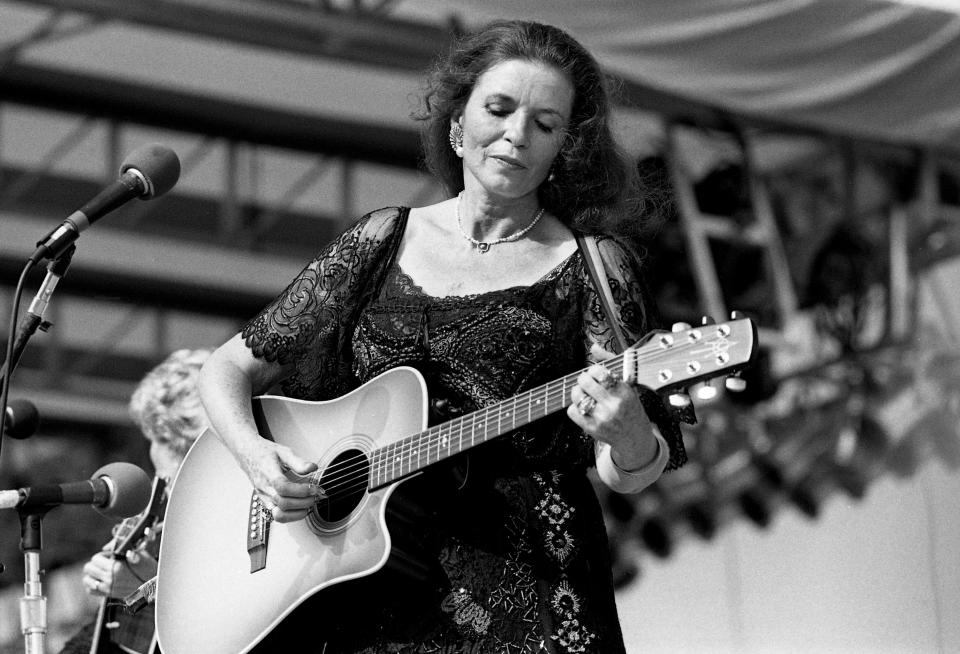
column 34, row 318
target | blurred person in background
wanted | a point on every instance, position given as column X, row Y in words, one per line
column 166, row 407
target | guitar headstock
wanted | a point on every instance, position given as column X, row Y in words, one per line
column 134, row 529
column 684, row 357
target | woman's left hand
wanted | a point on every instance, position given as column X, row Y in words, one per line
column 609, row 410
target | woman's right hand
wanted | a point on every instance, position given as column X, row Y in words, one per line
column 229, row 378
column 282, row 479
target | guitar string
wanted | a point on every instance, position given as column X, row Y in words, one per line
column 353, row 470
column 351, row 475
column 357, row 477
column 483, row 418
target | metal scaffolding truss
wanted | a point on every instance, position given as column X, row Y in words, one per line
column 218, row 229
column 233, row 139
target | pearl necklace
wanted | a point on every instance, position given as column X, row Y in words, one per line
column 483, row 246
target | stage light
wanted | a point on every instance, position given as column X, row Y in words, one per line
column 620, row 507
column 656, row 536
column 755, row 504
column 805, row 496
column 770, row 473
column 872, row 440
column 851, row 480
column 702, row 518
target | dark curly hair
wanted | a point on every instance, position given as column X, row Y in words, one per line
column 595, row 187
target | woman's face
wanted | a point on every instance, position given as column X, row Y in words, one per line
column 513, row 126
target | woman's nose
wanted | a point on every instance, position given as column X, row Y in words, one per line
column 517, row 130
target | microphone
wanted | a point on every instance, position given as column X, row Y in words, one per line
column 148, row 172
column 117, row 490
column 20, row 419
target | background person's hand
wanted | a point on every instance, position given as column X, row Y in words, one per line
column 105, row 576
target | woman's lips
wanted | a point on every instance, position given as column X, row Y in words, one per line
column 509, row 161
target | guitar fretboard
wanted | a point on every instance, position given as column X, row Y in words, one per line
column 414, row 453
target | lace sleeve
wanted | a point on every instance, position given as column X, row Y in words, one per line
column 637, row 315
column 307, row 325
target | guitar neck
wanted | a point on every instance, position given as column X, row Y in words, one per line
column 410, row 455
column 662, row 361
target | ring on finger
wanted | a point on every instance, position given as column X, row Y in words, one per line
column 585, row 405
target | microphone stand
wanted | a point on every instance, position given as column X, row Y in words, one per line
column 34, row 319
column 33, row 605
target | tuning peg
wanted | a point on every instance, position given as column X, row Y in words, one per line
column 707, row 320
column 705, row 390
column 679, row 400
column 735, row 383
column 680, row 326
column 735, row 315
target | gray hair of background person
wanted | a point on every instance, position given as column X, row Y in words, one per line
column 166, row 406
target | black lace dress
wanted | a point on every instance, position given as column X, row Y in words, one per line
column 506, row 543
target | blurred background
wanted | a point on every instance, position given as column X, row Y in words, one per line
column 803, row 158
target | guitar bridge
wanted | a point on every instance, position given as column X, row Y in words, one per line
column 258, row 533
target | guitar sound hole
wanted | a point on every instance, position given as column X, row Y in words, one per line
column 344, row 481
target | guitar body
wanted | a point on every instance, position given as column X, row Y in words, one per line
column 208, row 600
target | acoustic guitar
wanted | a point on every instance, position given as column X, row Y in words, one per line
column 222, row 558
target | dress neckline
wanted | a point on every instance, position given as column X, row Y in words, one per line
column 412, row 286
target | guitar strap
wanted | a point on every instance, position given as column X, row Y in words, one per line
column 594, row 262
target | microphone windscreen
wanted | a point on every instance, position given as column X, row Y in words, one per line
column 130, row 489
column 158, row 164
column 22, row 419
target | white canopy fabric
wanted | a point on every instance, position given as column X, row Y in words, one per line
column 878, row 69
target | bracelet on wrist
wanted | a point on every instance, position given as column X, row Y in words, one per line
column 662, row 452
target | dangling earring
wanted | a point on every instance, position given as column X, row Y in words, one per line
column 553, row 171
column 456, row 137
